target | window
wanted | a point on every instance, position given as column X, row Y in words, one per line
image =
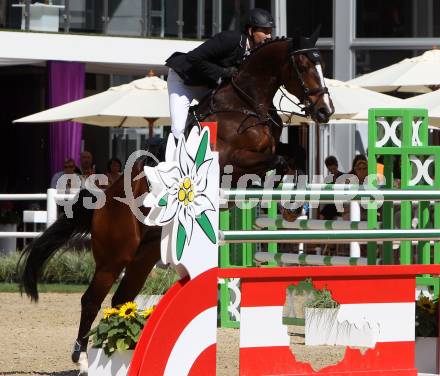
column 86, row 16
column 327, row 58
column 190, row 19
column 397, row 18
column 234, row 13
column 305, row 16
column 124, row 17
column 171, row 15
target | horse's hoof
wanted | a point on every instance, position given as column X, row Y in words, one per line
column 77, row 349
column 75, row 356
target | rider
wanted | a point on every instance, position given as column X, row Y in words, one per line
column 192, row 75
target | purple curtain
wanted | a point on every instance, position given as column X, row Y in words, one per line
column 66, row 84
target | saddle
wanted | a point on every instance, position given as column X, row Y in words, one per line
column 271, row 118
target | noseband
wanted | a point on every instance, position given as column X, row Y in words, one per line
column 314, row 56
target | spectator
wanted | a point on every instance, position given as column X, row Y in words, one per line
column 333, row 168
column 329, row 211
column 357, row 158
column 69, row 168
column 86, row 167
column 361, row 170
column 114, row 168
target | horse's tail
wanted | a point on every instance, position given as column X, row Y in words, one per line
column 38, row 253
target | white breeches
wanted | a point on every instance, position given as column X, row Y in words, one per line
column 181, row 96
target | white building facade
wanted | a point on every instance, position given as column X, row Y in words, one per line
column 120, row 40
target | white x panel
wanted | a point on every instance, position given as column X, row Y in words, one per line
column 422, row 170
column 415, row 141
column 390, row 132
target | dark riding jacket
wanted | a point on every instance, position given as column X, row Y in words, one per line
column 206, row 64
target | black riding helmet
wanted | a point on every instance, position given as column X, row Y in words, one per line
column 259, row 18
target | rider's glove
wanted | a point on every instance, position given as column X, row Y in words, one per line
column 229, row 72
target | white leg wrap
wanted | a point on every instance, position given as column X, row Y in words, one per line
column 83, row 363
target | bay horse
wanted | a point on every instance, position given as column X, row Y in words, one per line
column 247, row 137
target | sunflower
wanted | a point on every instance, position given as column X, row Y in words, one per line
column 128, row 310
column 110, row 312
column 148, row 312
column 426, row 304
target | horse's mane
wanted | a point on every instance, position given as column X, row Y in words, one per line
column 296, row 43
column 266, row 43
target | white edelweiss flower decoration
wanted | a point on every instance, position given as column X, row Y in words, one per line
column 184, row 183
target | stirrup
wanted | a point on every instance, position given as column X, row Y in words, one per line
column 194, row 123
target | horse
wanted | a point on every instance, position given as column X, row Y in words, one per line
column 248, row 134
column 250, row 130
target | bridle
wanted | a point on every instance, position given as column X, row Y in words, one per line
column 314, row 56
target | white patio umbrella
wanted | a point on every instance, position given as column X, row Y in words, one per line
column 348, row 100
column 419, row 74
column 137, row 104
column 430, row 101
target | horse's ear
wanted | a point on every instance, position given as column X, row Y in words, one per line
column 299, row 42
column 314, row 37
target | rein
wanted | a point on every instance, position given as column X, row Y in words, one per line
column 290, row 113
column 261, row 119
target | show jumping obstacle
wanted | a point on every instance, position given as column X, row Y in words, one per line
column 382, row 295
column 398, row 136
column 180, row 336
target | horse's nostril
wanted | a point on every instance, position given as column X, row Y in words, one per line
column 323, row 114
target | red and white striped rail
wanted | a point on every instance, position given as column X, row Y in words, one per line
column 380, row 294
column 180, row 336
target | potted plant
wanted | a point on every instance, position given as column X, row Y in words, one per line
column 9, row 219
column 320, row 318
column 328, row 323
column 426, row 334
column 115, row 338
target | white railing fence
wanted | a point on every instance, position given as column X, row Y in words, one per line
column 51, row 197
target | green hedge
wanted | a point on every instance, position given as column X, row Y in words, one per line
column 70, row 267
column 8, row 266
column 67, row 267
column 159, row 281
column 77, row 267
